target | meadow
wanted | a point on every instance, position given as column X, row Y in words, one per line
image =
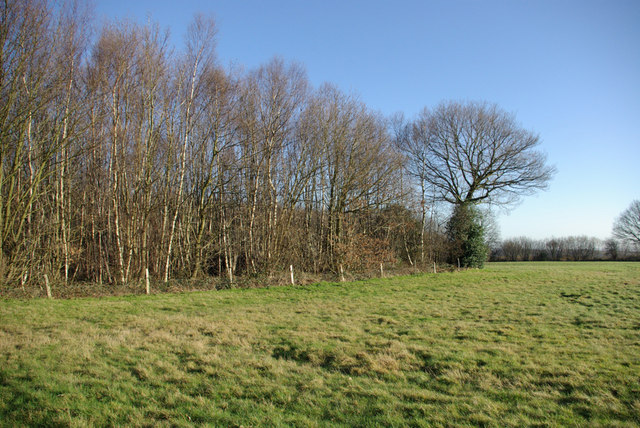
column 514, row 344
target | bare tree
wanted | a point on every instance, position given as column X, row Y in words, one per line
column 271, row 99
column 580, row 248
column 113, row 66
column 490, row 226
column 40, row 50
column 408, row 141
column 611, row 248
column 627, row 225
column 556, row 248
column 198, row 59
column 360, row 165
column 213, row 135
column 476, row 152
column 511, row 249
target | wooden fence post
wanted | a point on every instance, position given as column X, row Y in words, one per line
column 46, row 283
column 291, row 270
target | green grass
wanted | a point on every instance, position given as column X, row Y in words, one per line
column 521, row 344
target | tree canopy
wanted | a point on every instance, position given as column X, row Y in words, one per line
column 473, row 152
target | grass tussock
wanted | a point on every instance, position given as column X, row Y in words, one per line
column 513, row 345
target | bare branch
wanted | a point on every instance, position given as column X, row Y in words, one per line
column 627, row 225
column 476, row 152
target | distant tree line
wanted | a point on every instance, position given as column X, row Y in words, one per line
column 120, row 158
column 571, row 248
column 623, row 245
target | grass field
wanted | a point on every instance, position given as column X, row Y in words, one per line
column 521, row 344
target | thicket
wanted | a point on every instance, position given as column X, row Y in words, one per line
column 120, row 160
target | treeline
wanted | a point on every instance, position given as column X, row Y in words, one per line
column 571, row 248
column 120, row 158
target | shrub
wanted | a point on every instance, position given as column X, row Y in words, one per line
column 466, row 237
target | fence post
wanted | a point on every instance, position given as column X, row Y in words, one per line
column 46, row 283
column 291, row 270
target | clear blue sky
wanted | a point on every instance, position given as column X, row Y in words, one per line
column 569, row 70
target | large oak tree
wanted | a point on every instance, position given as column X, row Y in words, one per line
column 470, row 153
column 473, row 152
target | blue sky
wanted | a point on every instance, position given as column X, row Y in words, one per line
column 569, row 70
